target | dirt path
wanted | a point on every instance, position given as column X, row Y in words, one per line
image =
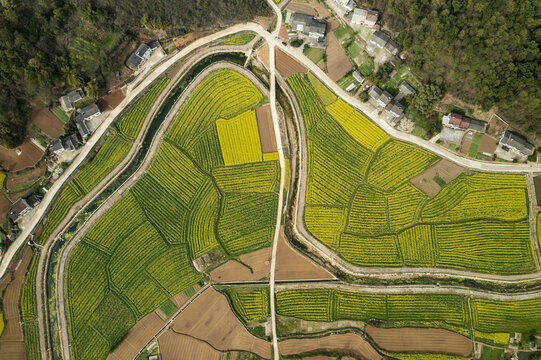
column 61, row 277
column 533, row 219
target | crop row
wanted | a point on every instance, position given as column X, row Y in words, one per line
column 333, row 305
column 326, row 96
column 363, row 130
column 258, row 214
column 239, row 139
column 130, row 124
column 254, row 177
column 368, row 211
column 31, row 340
column 326, row 223
column 28, row 305
column 250, row 304
column 397, row 162
column 241, row 39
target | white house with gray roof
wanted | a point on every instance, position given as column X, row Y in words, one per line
column 312, row 28
column 364, row 17
column 517, row 143
column 68, row 101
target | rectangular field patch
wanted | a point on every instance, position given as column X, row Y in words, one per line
column 239, row 139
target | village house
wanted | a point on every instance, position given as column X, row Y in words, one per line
column 378, row 97
column 312, row 28
column 68, row 101
column 364, row 17
column 33, row 200
column 404, row 89
column 461, row 122
column 19, row 209
column 383, row 41
column 85, row 114
column 394, row 111
column 346, row 4
column 517, row 143
column 58, row 146
column 140, row 55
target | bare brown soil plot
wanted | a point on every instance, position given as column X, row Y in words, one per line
column 11, row 341
column 258, row 261
column 49, row 124
column 488, row 145
column 180, row 298
column 209, row 318
column 301, row 8
column 420, row 340
column 266, row 129
column 111, row 100
column 290, row 265
column 175, row 346
column 5, row 204
column 30, row 155
column 286, row 65
column 319, row 358
column 18, row 180
column 345, row 343
column 496, row 125
column 137, row 337
column 338, row 62
column 445, row 169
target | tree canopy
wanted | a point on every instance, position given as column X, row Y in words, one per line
column 485, row 52
column 48, row 46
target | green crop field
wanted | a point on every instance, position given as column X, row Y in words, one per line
column 394, row 309
column 31, row 340
column 250, row 304
column 190, row 202
column 327, row 96
column 130, row 124
column 28, row 305
column 360, row 202
column 241, row 39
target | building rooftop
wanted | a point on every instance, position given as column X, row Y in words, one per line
column 518, row 142
column 56, row 146
column 83, row 129
column 406, row 88
column 139, row 56
column 395, row 108
column 33, row 200
column 382, row 97
column 89, row 111
column 308, row 25
column 364, row 16
column 67, row 101
column 379, row 38
column 18, row 209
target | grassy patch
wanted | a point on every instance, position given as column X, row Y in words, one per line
column 489, row 353
column 366, row 67
column 354, row 50
column 455, row 109
column 61, row 114
column 168, row 308
column 314, row 54
column 341, row 31
column 438, row 180
column 402, row 73
column 454, row 147
column 476, row 141
column 419, row 131
column 189, row 292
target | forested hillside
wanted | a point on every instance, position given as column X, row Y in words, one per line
column 49, row 45
column 483, row 51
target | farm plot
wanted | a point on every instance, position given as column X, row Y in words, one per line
column 250, row 304
column 239, row 139
column 190, row 202
column 366, row 200
column 394, row 309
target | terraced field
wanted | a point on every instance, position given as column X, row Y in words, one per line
column 250, row 304
column 189, row 202
column 360, row 202
column 491, row 318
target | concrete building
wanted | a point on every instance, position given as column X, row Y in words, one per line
column 517, row 143
column 364, row 17
column 85, row 114
column 68, row 101
column 140, row 55
column 461, row 122
column 311, row 28
column 56, row 147
column 346, row 4
column 383, row 41
column 378, row 97
column 404, row 89
column 19, row 209
column 358, row 76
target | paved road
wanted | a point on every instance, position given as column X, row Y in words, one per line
column 410, row 289
column 278, row 137
column 61, row 276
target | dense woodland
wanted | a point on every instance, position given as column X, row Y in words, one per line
column 486, row 52
column 48, row 46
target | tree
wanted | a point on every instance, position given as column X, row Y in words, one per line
column 428, row 96
column 92, row 90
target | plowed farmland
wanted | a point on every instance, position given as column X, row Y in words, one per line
column 361, row 203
